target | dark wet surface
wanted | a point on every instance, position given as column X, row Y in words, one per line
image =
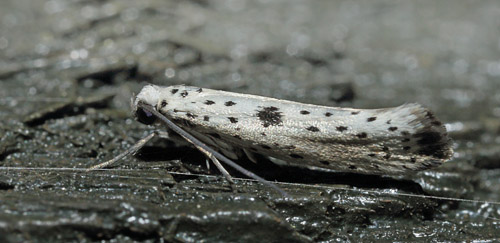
column 69, row 68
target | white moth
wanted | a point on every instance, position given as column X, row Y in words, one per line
column 376, row 141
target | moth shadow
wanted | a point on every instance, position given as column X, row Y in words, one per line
column 291, row 174
column 194, row 161
column 163, row 153
column 190, row 158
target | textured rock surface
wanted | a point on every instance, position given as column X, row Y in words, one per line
column 69, row 68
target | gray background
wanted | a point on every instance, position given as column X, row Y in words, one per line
column 69, row 68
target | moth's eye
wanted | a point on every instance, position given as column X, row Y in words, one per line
column 145, row 117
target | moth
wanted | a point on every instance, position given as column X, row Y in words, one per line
column 227, row 126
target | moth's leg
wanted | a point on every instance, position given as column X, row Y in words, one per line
column 136, row 147
column 190, row 138
column 207, row 162
column 222, row 169
column 209, row 155
column 216, row 162
column 165, row 135
column 219, row 166
column 131, row 150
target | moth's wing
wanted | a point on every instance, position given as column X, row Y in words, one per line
column 227, row 149
column 251, row 156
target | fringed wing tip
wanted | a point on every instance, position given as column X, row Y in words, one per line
column 430, row 134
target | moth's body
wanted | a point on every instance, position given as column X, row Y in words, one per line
column 378, row 141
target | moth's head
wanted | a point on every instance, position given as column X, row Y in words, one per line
column 149, row 95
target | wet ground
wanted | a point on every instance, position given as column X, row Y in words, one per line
column 69, row 68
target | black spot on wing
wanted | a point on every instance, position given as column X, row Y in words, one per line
column 233, row 119
column 341, row 128
column 296, row 156
column 270, row 116
column 436, row 150
column 436, row 123
column 206, row 118
column 163, row 103
column 173, row 91
column 191, row 115
column 229, row 103
column 431, row 144
column 209, row 102
column 328, row 114
column 370, row 119
column 184, row 93
column 324, row 162
column 362, row 135
column 428, row 137
column 199, row 90
column 313, row 129
column 392, row 129
column 354, row 112
column 305, row 112
column 353, row 167
column 405, row 133
column 430, row 116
